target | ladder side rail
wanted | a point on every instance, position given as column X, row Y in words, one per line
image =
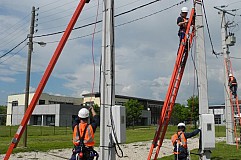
column 173, row 98
column 170, row 88
column 44, row 79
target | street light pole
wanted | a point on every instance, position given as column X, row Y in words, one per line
column 30, row 49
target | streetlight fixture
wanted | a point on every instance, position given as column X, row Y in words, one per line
column 42, row 44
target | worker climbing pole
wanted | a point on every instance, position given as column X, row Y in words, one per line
column 230, row 92
column 173, row 88
column 233, row 97
column 45, row 78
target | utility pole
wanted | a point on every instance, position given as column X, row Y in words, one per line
column 204, row 116
column 107, row 95
column 225, row 47
column 30, row 49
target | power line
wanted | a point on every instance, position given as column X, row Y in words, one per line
column 123, row 13
column 12, row 39
column 209, row 34
column 128, row 22
column 14, row 54
column 5, row 54
column 6, row 30
column 80, row 20
column 58, row 6
column 67, row 10
column 49, row 4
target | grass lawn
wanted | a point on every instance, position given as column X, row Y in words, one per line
column 46, row 138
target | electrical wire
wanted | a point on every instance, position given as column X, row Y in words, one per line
column 209, row 34
column 86, row 25
column 85, row 9
column 48, row 4
column 99, row 21
column 62, row 5
column 13, row 54
column 92, row 50
column 80, row 20
column 5, row 54
column 9, row 28
column 13, row 38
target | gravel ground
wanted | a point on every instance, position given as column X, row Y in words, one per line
column 132, row 151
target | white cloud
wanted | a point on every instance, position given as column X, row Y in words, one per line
column 145, row 50
column 7, row 79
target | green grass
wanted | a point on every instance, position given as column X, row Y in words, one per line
column 46, row 138
column 222, row 151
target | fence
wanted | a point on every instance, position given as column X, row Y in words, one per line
column 9, row 131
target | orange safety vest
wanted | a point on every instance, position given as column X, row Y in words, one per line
column 89, row 135
column 180, row 140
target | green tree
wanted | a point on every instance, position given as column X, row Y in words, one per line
column 3, row 114
column 180, row 113
column 193, row 105
column 97, row 109
column 133, row 111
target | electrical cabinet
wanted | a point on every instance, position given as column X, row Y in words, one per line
column 119, row 118
column 208, row 131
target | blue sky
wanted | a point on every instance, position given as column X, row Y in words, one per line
column 145, row 50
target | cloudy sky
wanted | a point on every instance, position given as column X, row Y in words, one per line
column 145, row 49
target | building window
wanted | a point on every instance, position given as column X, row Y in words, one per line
column 217, row 119
column 41, row 102
column 14, row 103
column 50, row 120
column 37, row 120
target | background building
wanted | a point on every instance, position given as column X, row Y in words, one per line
column 150, row 114
column 50, row 109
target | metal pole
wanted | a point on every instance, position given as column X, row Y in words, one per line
column 107, row 95
column 228, row 110
column 30, row 49
column 202, row 74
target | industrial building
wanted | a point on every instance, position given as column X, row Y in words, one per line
column 61, row 110
column 50, row 109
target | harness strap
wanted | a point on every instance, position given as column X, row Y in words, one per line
column 81, row 138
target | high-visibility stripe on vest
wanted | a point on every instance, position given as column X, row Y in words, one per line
column 179, row 139
column 89, row 135
column 233, row 80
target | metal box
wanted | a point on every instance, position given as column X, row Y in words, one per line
column 208, row 131
column 119, row 118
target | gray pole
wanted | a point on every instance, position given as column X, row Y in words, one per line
column 202, row 75
column 107, row 94
column 228, row 110
column 30, row 49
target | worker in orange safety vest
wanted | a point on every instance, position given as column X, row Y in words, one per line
column 232, row 82
column 83, row 135
column 179, row 141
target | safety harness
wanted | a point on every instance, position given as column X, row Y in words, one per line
column 83, row 152
column 180, row 145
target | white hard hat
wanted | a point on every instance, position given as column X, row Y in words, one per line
column 83, row 113
column 230, row 75
column 181, row 125
column 184, row 9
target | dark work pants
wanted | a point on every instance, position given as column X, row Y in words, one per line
column 185, row 158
